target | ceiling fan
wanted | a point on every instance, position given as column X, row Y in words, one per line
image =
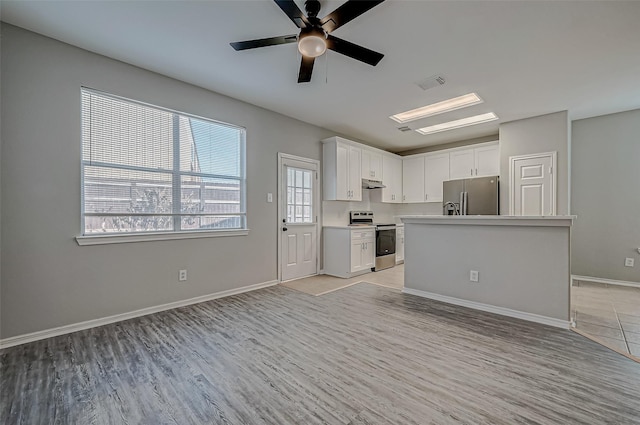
column 315, row 33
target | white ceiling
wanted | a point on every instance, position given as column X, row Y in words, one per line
column 524, row 58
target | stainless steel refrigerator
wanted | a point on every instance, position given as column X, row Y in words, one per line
column 478, row 196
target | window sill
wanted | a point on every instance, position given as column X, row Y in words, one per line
column 148, row 237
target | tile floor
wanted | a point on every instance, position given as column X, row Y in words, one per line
column 322, row 284
column 610, row 313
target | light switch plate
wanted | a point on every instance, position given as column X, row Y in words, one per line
column 629, row 262
column 269, row 197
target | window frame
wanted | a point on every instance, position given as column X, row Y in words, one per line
column 176, row 176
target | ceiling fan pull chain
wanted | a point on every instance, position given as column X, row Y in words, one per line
column 326, row 71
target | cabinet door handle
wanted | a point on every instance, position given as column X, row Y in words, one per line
column 476, row 171
column 425, row 196
column 472, row 171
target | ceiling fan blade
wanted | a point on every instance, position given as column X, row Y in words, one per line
column 264, row 42
column 353, row 50
column 306, row 68
column 347, row 12
column 291, row 9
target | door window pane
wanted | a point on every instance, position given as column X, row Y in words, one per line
column 299, row 199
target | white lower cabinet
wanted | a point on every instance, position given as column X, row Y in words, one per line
column 363, row 255
column 349, row 252
column 400, row 244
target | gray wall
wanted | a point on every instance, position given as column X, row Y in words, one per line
column 47, row 279
column 546, row 133
column 606, row 195
column 438, row 258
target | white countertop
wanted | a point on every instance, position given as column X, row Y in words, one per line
column 491, row 220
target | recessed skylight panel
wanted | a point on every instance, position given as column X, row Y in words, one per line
column 464, row 122
column 438, row 108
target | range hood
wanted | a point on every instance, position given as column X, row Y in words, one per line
column 372, row 184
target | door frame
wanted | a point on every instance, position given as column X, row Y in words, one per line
column 512, row 177
column 281, row 214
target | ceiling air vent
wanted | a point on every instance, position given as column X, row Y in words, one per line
column 431, row 82
column 404, row 129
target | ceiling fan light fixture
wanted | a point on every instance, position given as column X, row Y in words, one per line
column 312, row 43
column 438, row 108
column 464, row 122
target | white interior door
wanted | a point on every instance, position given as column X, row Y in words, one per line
column 533, row 184
column 298, row 221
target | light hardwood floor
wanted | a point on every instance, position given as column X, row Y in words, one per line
column 361, row 355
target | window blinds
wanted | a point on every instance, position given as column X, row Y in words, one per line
column 149, row 169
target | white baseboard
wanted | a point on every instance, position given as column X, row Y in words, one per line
column 602, row 280
column 74, row 327
column 564, row 324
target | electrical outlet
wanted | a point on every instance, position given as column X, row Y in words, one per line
column 182, row 275
column 628, row 262
column 474, row 276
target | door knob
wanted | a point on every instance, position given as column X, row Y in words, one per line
column 284, row 229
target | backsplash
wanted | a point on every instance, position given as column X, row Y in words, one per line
column 336, row 213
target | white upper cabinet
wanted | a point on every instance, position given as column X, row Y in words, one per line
column 371, row 165
column 436, row 171
column 475, row 162
column 461, row 164
column 355, row 179
column 392, row 179
column 413, row 180
column 341, row 169
column 487, row 160
column 409, row 179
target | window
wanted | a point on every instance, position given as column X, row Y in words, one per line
column 299, row 195
column 149, row 169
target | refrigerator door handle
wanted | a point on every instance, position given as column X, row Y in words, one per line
column 463, row 203
column 466, row 202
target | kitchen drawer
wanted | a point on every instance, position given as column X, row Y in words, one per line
column 357, row 235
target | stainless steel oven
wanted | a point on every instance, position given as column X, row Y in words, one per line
column 385, row 238
column 385, row 246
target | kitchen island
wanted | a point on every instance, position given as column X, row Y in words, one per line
column 522, row 264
